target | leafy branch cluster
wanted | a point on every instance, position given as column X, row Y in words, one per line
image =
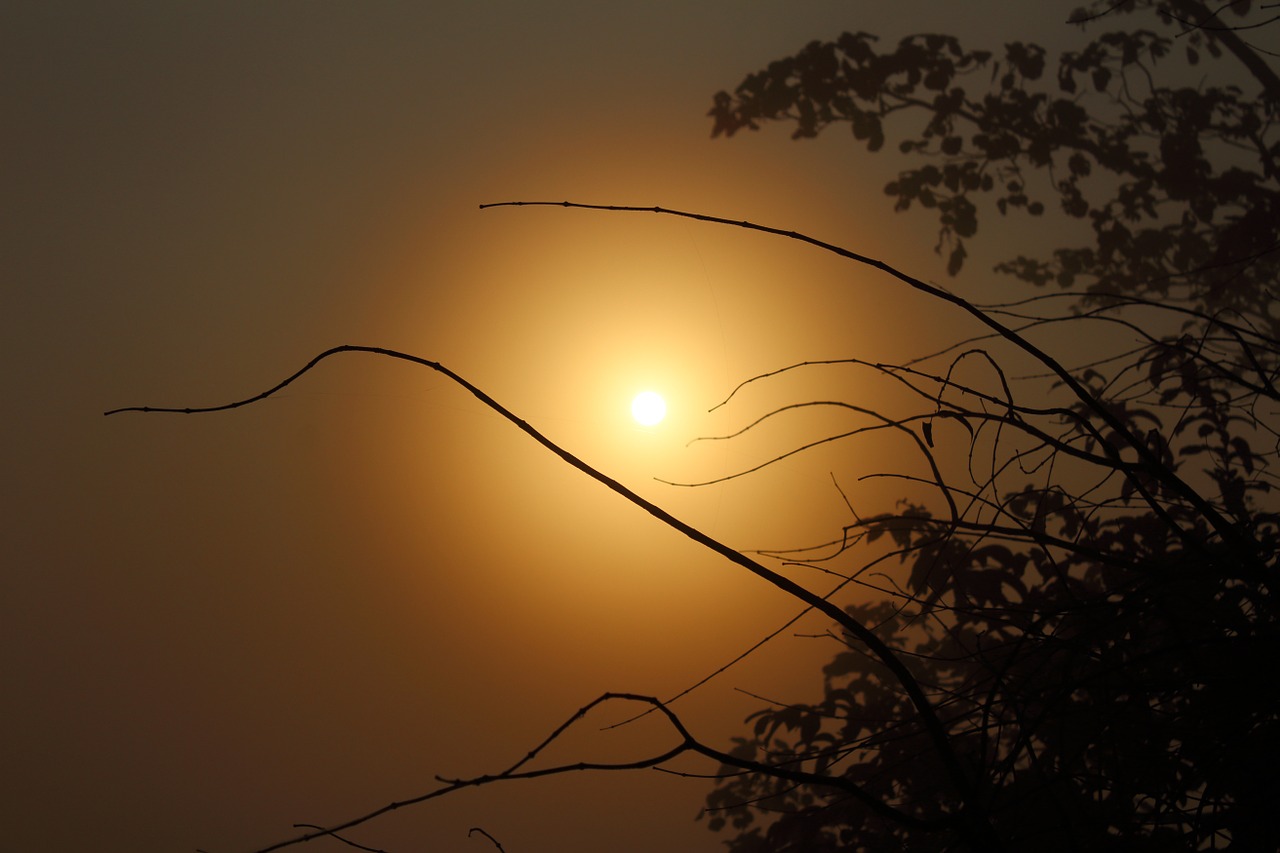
column 1089, row 590
column 1088, row 626
column 1168, row 177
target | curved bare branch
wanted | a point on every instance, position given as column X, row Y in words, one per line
column 957, row 775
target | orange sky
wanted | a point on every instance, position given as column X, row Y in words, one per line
column 214, row 627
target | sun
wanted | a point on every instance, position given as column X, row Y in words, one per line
column 648, row 408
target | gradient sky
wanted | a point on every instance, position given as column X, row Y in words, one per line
column 214, row 627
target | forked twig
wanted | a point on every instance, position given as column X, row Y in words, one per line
column 956, row 773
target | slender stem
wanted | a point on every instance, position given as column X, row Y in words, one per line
column 1149, row 460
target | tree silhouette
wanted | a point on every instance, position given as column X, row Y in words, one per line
column 1169, row 178
column 1089, row 611
column 1070, row 651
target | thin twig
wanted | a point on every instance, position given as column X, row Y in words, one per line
column 495, row 841
column 956, row 773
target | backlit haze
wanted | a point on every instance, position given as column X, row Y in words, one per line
column 217, row 626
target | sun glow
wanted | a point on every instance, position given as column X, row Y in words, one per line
column 648, row 408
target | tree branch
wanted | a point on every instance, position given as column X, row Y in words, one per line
column 1240, row 545
column 956, row 773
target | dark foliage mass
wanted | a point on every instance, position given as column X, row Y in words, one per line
column 1170, row 177
column 1090, row 599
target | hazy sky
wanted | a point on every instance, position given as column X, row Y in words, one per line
column 214, row 627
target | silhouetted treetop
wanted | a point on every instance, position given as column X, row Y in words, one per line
column 1086, row 624
column 1174, row 171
